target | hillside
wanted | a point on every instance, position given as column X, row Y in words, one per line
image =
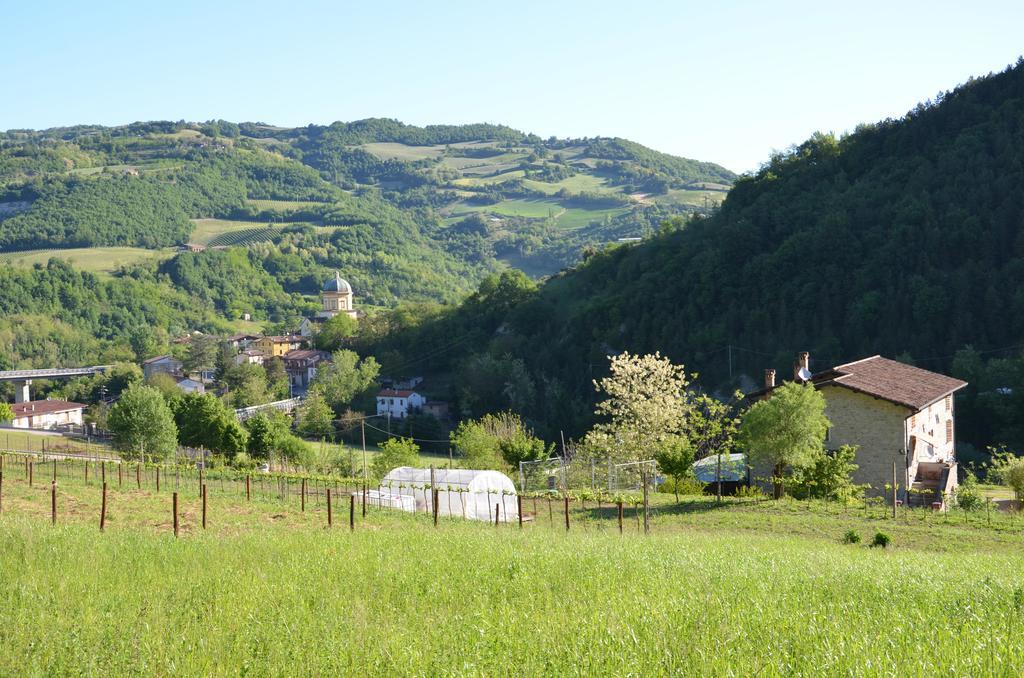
column 470, row 195
column 904, row 238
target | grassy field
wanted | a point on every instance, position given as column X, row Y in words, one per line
column 398, row 151
column 17, row 439
column 94, row 259
column 268, row 589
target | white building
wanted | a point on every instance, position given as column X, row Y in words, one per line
column 250, row 356
column 47, row 414
column 399, row 404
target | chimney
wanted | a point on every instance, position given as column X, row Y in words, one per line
column 802, row 367
column 769, row 378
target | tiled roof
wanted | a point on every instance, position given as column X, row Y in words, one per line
column 35, row 407
column 306, row 354
column 392, row 393
column 889, row 380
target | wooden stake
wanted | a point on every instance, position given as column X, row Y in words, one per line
column 86, row 471
column 497, row 514
column 54, row 467
column 330, row 520
column 138, row 476
column 894, row 490
column 53, row 502
column 352, row 511
column 303, row 495
column 31, row 468
column 157, row 478
column 433, row 494
column 364, row 499
column 519, row 508
column 174, row 505
column 619, row 506
column 248, row 489
column 647, row 505
column 566, row 513
column 120, row 474
column 204, row 506
column 103, row 470
column 103, row 508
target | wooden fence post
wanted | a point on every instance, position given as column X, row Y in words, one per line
column 248, row 489
column 619, row 506
column 157, row 478
column 330, row 520
column 103, row 508
column 303, row 495
column 138, row 476
column 201, row 484
column 120, row 474
column 497, row 514
column 103, row 470
column 352, row 511
column 54, row 469
column 519, row 509
column 433, row 494
column 86, row 471
column 364, row 499
column 647, row 513
column 174, row 504
column 53, row 502
column 894, row 490
column 566, row 513
column 31, row 468
column 204, row 506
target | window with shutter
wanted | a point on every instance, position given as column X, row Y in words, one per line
column 949, row 403
column 949, row 431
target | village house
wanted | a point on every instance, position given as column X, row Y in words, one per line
column 399, row 404
column 301, row 366
column 162, row 364
column 241, row 341
column 277, row 346
column 250, row 356
column 895, row 414
column 47, row 414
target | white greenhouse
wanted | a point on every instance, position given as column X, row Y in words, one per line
column 466, row 493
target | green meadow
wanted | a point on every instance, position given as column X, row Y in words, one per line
column 738, row 588
column 93, row 259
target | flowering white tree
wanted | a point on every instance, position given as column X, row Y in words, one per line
column 646, row 404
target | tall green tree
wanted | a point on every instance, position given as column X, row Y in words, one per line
column 204, row 421
column 785, row 431
column 315, row 418
column 395, row 452
column 675, row 459
column 335, row 332
column 345, row 377
column 6, row 414
column 142, row 424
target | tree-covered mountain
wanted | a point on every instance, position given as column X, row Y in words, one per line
column 904, row 238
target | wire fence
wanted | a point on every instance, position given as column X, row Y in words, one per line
column 563, row 509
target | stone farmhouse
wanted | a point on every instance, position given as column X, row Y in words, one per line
column 895, row 414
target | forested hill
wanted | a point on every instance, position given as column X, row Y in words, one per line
column 904, row 238
column 469, row 196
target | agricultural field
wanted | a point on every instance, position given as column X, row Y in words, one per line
column 283, row 205
column 398, row 151
column 94, row 259
column 739, row 589
column 227, row 232
column 566, row 217
column 698, row 198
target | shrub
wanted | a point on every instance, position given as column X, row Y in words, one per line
column 851, row 537
column 968, row 496
column 881, row 540
column 684, row 485
column 750, row 492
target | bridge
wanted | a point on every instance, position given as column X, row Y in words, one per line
column 23, row 378
column 286, row 406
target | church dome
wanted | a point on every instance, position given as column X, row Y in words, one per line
column 337, row 284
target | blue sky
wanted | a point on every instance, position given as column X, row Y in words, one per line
column 726, row 81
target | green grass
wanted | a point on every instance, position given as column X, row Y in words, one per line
column 398, row 151
column 679, row 196
column 93, row 259
column 269, row 590
column 26, row 441
column 578, row 183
